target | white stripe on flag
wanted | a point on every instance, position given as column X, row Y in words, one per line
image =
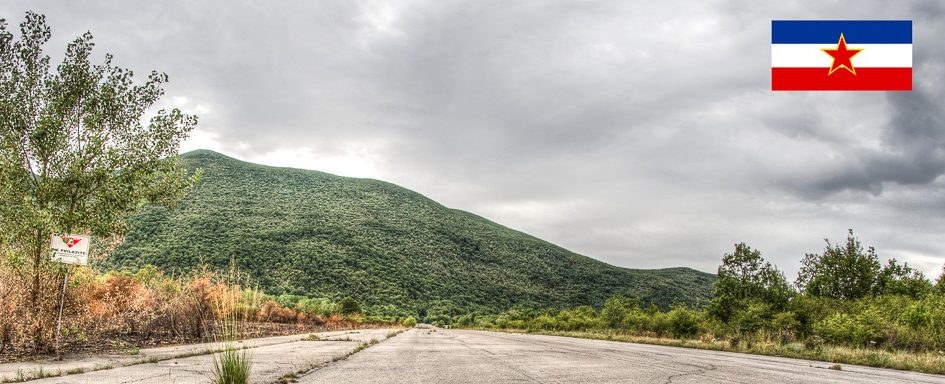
column 811, row 55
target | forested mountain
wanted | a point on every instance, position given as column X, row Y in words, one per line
column 315, row 234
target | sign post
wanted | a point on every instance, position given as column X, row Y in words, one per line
column 70, row 250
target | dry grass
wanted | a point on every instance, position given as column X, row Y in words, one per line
column 146, row 305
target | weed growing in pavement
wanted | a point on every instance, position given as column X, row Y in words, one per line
column 75, row 371
column 232, row 365
column 34, row 374
column 289, row 378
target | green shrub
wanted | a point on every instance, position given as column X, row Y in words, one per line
column 580, row 319
column 684, row 322
column 863, row 329
column 409, row 322
column 317, row 306
column 751, row 318
column 543, row 322
column 785, row 325
column 659, row 324
column 615, row 310
column 349, row 306
column 289, row 301
column 465, row 320
column 638, row 321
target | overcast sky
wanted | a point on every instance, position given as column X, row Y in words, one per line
column 643, row 134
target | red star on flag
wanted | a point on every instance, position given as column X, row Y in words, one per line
column 842, row 57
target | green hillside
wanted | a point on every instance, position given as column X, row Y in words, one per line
column 312, row 233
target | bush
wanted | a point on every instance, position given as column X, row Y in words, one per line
column 638, row 321
column 543, row 322
column 466, row 320
column 684, row 322
column 409, row 322
column 863, row 329
column 315, row 307
column 580, row 319
column 752, row 318
column 349, row 306
column 615, row 310
column 785, row 326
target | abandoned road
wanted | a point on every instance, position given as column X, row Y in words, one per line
column 460, row 356
column 463, row 356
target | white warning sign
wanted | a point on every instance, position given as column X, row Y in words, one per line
column 70, row 249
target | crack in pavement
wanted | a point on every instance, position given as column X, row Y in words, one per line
column 493, row 357
column 698, row 371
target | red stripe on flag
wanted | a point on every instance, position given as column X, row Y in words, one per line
column 866, row 79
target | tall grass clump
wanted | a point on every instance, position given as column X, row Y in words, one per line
column 232, row 365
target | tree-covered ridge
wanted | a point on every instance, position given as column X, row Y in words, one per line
column 315, row 234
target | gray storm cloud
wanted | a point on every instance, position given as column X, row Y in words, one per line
column 640, row 133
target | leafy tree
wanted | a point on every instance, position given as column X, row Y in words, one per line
column 349, row 306
column 841, row 272
column 745, row 277
column 896, row 279
column 74, row 154
column 940, row 283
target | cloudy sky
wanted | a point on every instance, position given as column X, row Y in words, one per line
column 643, row 134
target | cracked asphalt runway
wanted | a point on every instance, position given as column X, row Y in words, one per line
column 464, row 356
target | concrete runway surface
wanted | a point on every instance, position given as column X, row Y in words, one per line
column 460, row 356
column 463, row 356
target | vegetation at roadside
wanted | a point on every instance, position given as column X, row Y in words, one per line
column 150, row 307
column 398, row 253
column 927, row 362
column 844, row 307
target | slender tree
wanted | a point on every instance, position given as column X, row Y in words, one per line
column 75, row 155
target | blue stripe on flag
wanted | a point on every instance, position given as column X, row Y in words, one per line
column 854, row 31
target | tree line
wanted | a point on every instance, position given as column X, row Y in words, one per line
column 843, row 296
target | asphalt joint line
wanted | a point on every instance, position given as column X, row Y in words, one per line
column 492, row 356
column 293, row 377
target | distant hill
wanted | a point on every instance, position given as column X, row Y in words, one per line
column 316, row 234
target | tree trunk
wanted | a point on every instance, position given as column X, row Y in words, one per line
column 38, row 310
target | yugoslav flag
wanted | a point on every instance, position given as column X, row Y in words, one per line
column 842, row 55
